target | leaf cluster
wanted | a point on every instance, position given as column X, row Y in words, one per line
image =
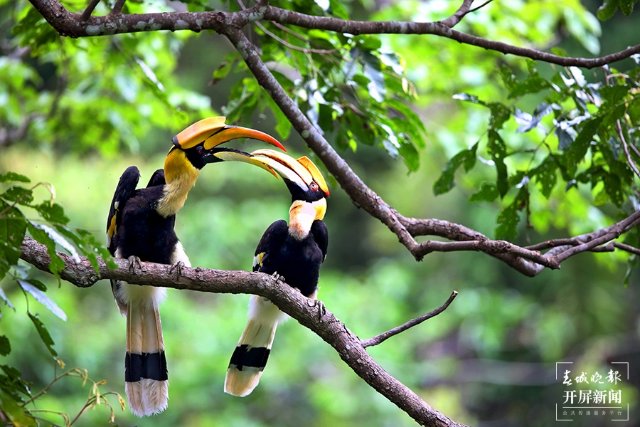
column 350, row 87
column 579, row 132
column 17, row 202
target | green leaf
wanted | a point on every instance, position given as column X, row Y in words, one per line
column 12, row 176
column 17, row 414
column 4, row 298
column 12, row 382
column 546, row 175
column 612, row 95
column 337, row 9
column 89, row 246
column 56, row 265
column 607, row 9
column 626, row 6
column 44, row 333
column 500, row 113
column 5, row 346
column 578, row 148
column 19, row 195
column 613, row 187
column 519, row 86
column 52, row 212
column 222, row 71
column 410, row 155
column 42, row 298
column 465, row 157
column 283, row 125
column 498, row 151
column 509, row 218
column 13, row 226
column 486, row 193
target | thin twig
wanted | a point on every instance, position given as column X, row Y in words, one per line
column 625, row 148
column 286, row 43
column 602, row 236
column 480, row 7
column 627, row 248
column 378, row 339
column 553, row 243
column 89, row 10
column 463, row 10
column 117, row 7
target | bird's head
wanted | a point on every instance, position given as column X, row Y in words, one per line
column 304, row 180
column 199, row 145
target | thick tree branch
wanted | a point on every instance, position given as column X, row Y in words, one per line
column 70, row 24
column 311, row 315
column 378, row 339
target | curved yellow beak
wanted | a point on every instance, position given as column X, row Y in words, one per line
column 213, row 131
column 302, row 171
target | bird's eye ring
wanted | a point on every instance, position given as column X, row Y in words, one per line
column 313, row 186
column 199, row 149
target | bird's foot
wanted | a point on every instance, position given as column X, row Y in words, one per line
column 134, row 263
column 278, row 277
column 322, row 310
column 177, row 268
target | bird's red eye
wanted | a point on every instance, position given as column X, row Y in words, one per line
column 313, row 186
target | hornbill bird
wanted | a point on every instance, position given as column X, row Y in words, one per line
column 294, row 251
column 140, row 227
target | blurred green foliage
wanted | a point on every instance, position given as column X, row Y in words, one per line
column 535, row 144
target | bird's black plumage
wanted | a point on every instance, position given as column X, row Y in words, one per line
column 139, row 229
column 297, row 261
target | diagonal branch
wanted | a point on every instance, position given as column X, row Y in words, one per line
column 463, row 10
column 378, row 339
column 89, row 10
column 313, row 316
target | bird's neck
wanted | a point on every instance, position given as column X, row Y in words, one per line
column 180, row 175
column 301, row 217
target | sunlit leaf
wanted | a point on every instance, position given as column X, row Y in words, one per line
column 17, row 414
column 56, row 265
column 19, row 195
column 12, row 176
column 5, row 299
column 42, row 298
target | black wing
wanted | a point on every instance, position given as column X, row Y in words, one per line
column 157, row 178
column 124, row 190
column 321, row 236
column 273, row 237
